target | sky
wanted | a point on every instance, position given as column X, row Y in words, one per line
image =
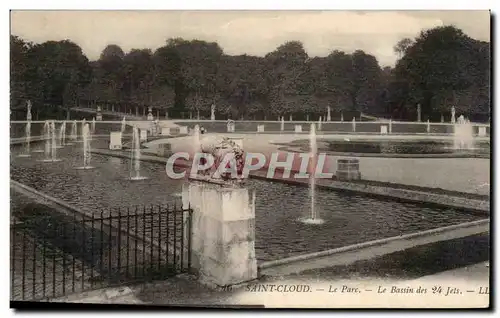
column 244, row 32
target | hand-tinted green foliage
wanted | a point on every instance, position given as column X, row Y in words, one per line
column 439, row 68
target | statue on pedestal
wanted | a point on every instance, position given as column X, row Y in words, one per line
column 150, row 113
column 219, row 148
column 230, row 125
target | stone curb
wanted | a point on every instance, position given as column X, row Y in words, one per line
column 481, row 224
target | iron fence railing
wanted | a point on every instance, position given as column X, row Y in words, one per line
column 53, row 255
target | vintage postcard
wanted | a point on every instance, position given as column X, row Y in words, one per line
column 250, row 159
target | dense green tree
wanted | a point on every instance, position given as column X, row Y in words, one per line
column 138, row 76
column 441, row 67
column 19, row 64
column 56, row 70
column 112, row 70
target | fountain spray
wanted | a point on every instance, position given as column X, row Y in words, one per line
column 124, row 123
column 27, row 131
column 313, row 151
column 62, row 134
column 45, row 134
column 463, row 137
column 86, row 148
column 313, row 154
column 83, row 123
column 196, row 140
column 73, row 135
column 50, row 142
column 136, row 156
column 47, row 130
column 54, row 142
column 27, row 140
column 28, row 137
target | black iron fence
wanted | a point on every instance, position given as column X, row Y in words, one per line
column 54, row 254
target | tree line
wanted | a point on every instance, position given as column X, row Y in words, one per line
column 440, row 68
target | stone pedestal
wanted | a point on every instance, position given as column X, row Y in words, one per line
column 183, row 130
column 115, row 140
column 223, row 233
column 143, row 135
column 298, row 128
column 165, row 131
column 481, row 131
column 260, row 128
column 383, row 129
column 164, row 150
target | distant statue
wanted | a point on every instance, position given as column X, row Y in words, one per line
column 212, row 110
column 99, row 113
column 453, row 120
column 230, row 125
column 28, row 110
